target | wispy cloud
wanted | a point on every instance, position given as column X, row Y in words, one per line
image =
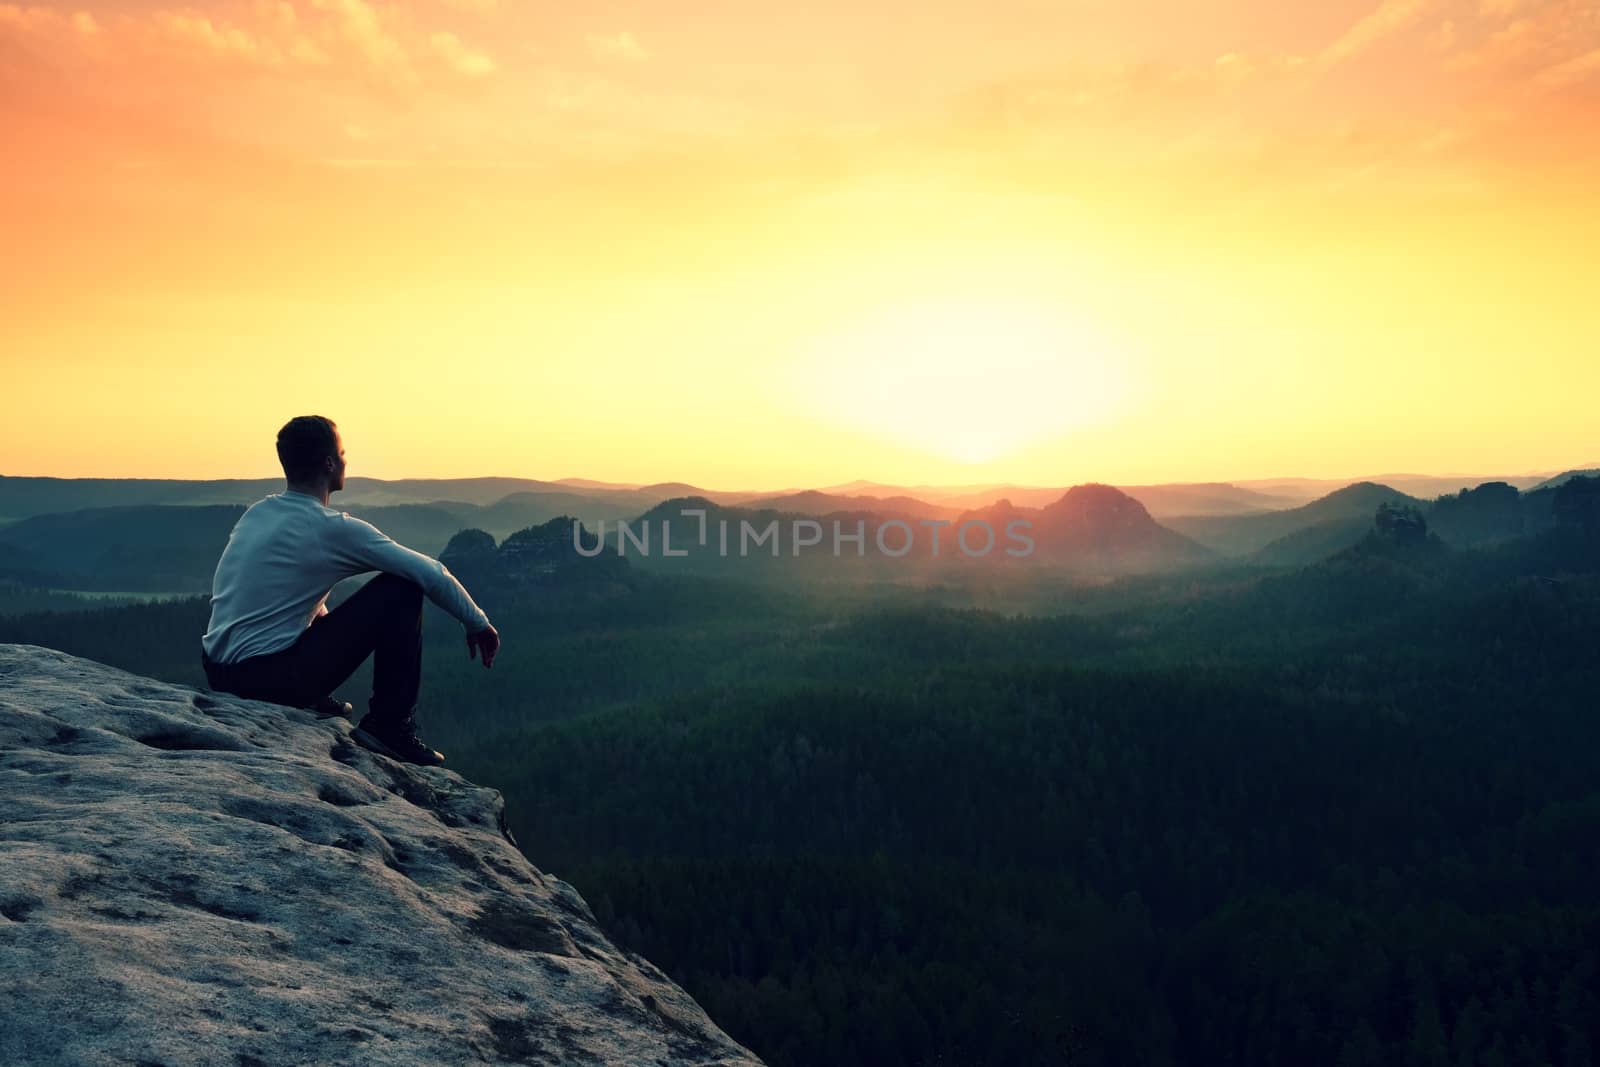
column 188, row 34
column 1571, row 72
column 361, row 25
column 1537, row 44
column 1388, row 19
column 1464, row 90
column 1434, row 83
column 460, row 58
column 340, row 37
column 28, row 19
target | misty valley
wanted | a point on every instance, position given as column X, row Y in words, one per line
column 1232, row 780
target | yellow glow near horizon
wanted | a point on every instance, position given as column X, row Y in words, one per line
column 970, row 381
column 752, row 249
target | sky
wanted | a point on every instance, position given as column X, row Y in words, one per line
column 751, row 245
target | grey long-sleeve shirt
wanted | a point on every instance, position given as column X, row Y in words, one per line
column 285, row 555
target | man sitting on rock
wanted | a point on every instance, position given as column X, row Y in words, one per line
column 271, row 635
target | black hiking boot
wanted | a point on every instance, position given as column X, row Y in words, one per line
column 396, row 739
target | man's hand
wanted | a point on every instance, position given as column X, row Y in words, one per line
column 486, row 641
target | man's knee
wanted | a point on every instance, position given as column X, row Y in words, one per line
column 403, row 591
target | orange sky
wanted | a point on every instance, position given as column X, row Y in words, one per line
column 746, row 245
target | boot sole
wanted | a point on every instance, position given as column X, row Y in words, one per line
column 366, row 740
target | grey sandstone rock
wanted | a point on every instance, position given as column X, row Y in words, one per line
column 190, row 878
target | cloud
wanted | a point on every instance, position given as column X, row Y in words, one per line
column 29, row 19
column 199, row 35
column 1266, row 127
column 1235, row 69
column 1571, row 72
column 279, row 14
column 50, row 31
column 1389, row 18
column 621, row 45
column 354, row 39
column 1543, row 45
column 460, row 58
column 361, row 25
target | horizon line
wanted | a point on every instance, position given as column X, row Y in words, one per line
column 836, row 487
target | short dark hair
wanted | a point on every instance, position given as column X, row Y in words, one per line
column 302, row 444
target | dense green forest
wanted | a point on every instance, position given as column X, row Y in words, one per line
column 1345, row 814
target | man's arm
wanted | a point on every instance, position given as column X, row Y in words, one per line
column 360, row 546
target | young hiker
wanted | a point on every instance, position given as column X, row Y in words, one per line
column 271, row 635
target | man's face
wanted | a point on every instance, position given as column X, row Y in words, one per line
column 336, row 476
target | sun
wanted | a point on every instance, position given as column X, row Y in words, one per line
column 967, row 380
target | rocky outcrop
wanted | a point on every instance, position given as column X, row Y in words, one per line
column 1096, row 528
column 189, row 878
column 536, row 565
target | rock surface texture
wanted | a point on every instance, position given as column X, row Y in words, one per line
column 190, row 878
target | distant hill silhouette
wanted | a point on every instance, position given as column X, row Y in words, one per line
column 1342, row 516
column 1175, row 498
column 517, row 511
column 1099, row 528
column 1161, row 501
column 1393, row 562
column 646, row 546
column 535, row 564
column 1495, row 511
column 813, row 502
column 1590, row 470
column 133, row 549
column 1091, row 528
column 528, row 500
column 1421, row 486
column 22, row 498
column 1205, row 498
column 174, row 548
column 1492, row 511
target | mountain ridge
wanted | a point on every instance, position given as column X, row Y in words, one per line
column 24, row 495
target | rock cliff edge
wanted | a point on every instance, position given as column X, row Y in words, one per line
column 190, row 878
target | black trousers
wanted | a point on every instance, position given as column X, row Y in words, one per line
column 382, row 619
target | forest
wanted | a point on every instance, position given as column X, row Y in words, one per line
column 1345, row 813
